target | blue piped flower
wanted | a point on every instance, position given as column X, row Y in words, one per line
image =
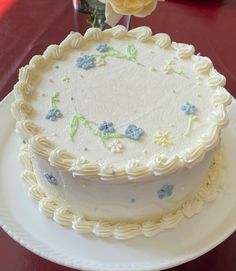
column 166, row 191
column 53, row 114
column 189, row 109
column 86, row 62
column 106, row 127
column 51, row 179
column 133, row 132
column 102, row 48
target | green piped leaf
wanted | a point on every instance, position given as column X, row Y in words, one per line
column 106, row 136
column 54, row 100
column 131, row 51
column 74, row 125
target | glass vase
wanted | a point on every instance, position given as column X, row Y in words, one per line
column 91, row 13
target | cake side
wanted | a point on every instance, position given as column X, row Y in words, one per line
column 120, row 201
column 62, row 151
column 60, row 212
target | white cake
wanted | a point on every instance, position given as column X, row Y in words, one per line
column 121, row 130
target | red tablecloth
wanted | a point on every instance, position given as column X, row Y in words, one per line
column 28, row 26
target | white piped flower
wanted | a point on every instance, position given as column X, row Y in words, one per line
column 115, row 146
column 134, row 163
column 169, row 62
column 167, row 69
column 78, row 163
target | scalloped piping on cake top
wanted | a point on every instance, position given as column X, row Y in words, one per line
column 64, row 216
column 157, row 165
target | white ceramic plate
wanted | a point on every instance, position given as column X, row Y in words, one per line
column 193, row 237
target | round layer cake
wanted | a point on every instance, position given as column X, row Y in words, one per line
column 121, row 125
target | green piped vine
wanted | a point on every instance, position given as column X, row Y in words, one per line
column 168, row 68
column 54, row 100
column 130, row 55
column 79, row 118
column 103, row 51
column 105, row 131
column 180, row 72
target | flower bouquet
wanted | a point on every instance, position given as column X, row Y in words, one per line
column 109, row 12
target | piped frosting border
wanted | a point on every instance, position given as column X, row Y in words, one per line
column 64, row 216
column 159, row 164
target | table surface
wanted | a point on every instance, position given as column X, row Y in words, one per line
column 27, row 27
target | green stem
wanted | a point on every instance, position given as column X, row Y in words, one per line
column 54, row 100
column 191, row 120
column 94, row 22
column 114, row 53
column 180, row 73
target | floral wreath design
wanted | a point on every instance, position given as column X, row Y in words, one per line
column 105, row 130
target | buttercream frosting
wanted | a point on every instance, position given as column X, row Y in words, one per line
column 113, row 113
column 183, row 68
column 63, row 215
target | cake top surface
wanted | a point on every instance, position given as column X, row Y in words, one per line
column 118, row 103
